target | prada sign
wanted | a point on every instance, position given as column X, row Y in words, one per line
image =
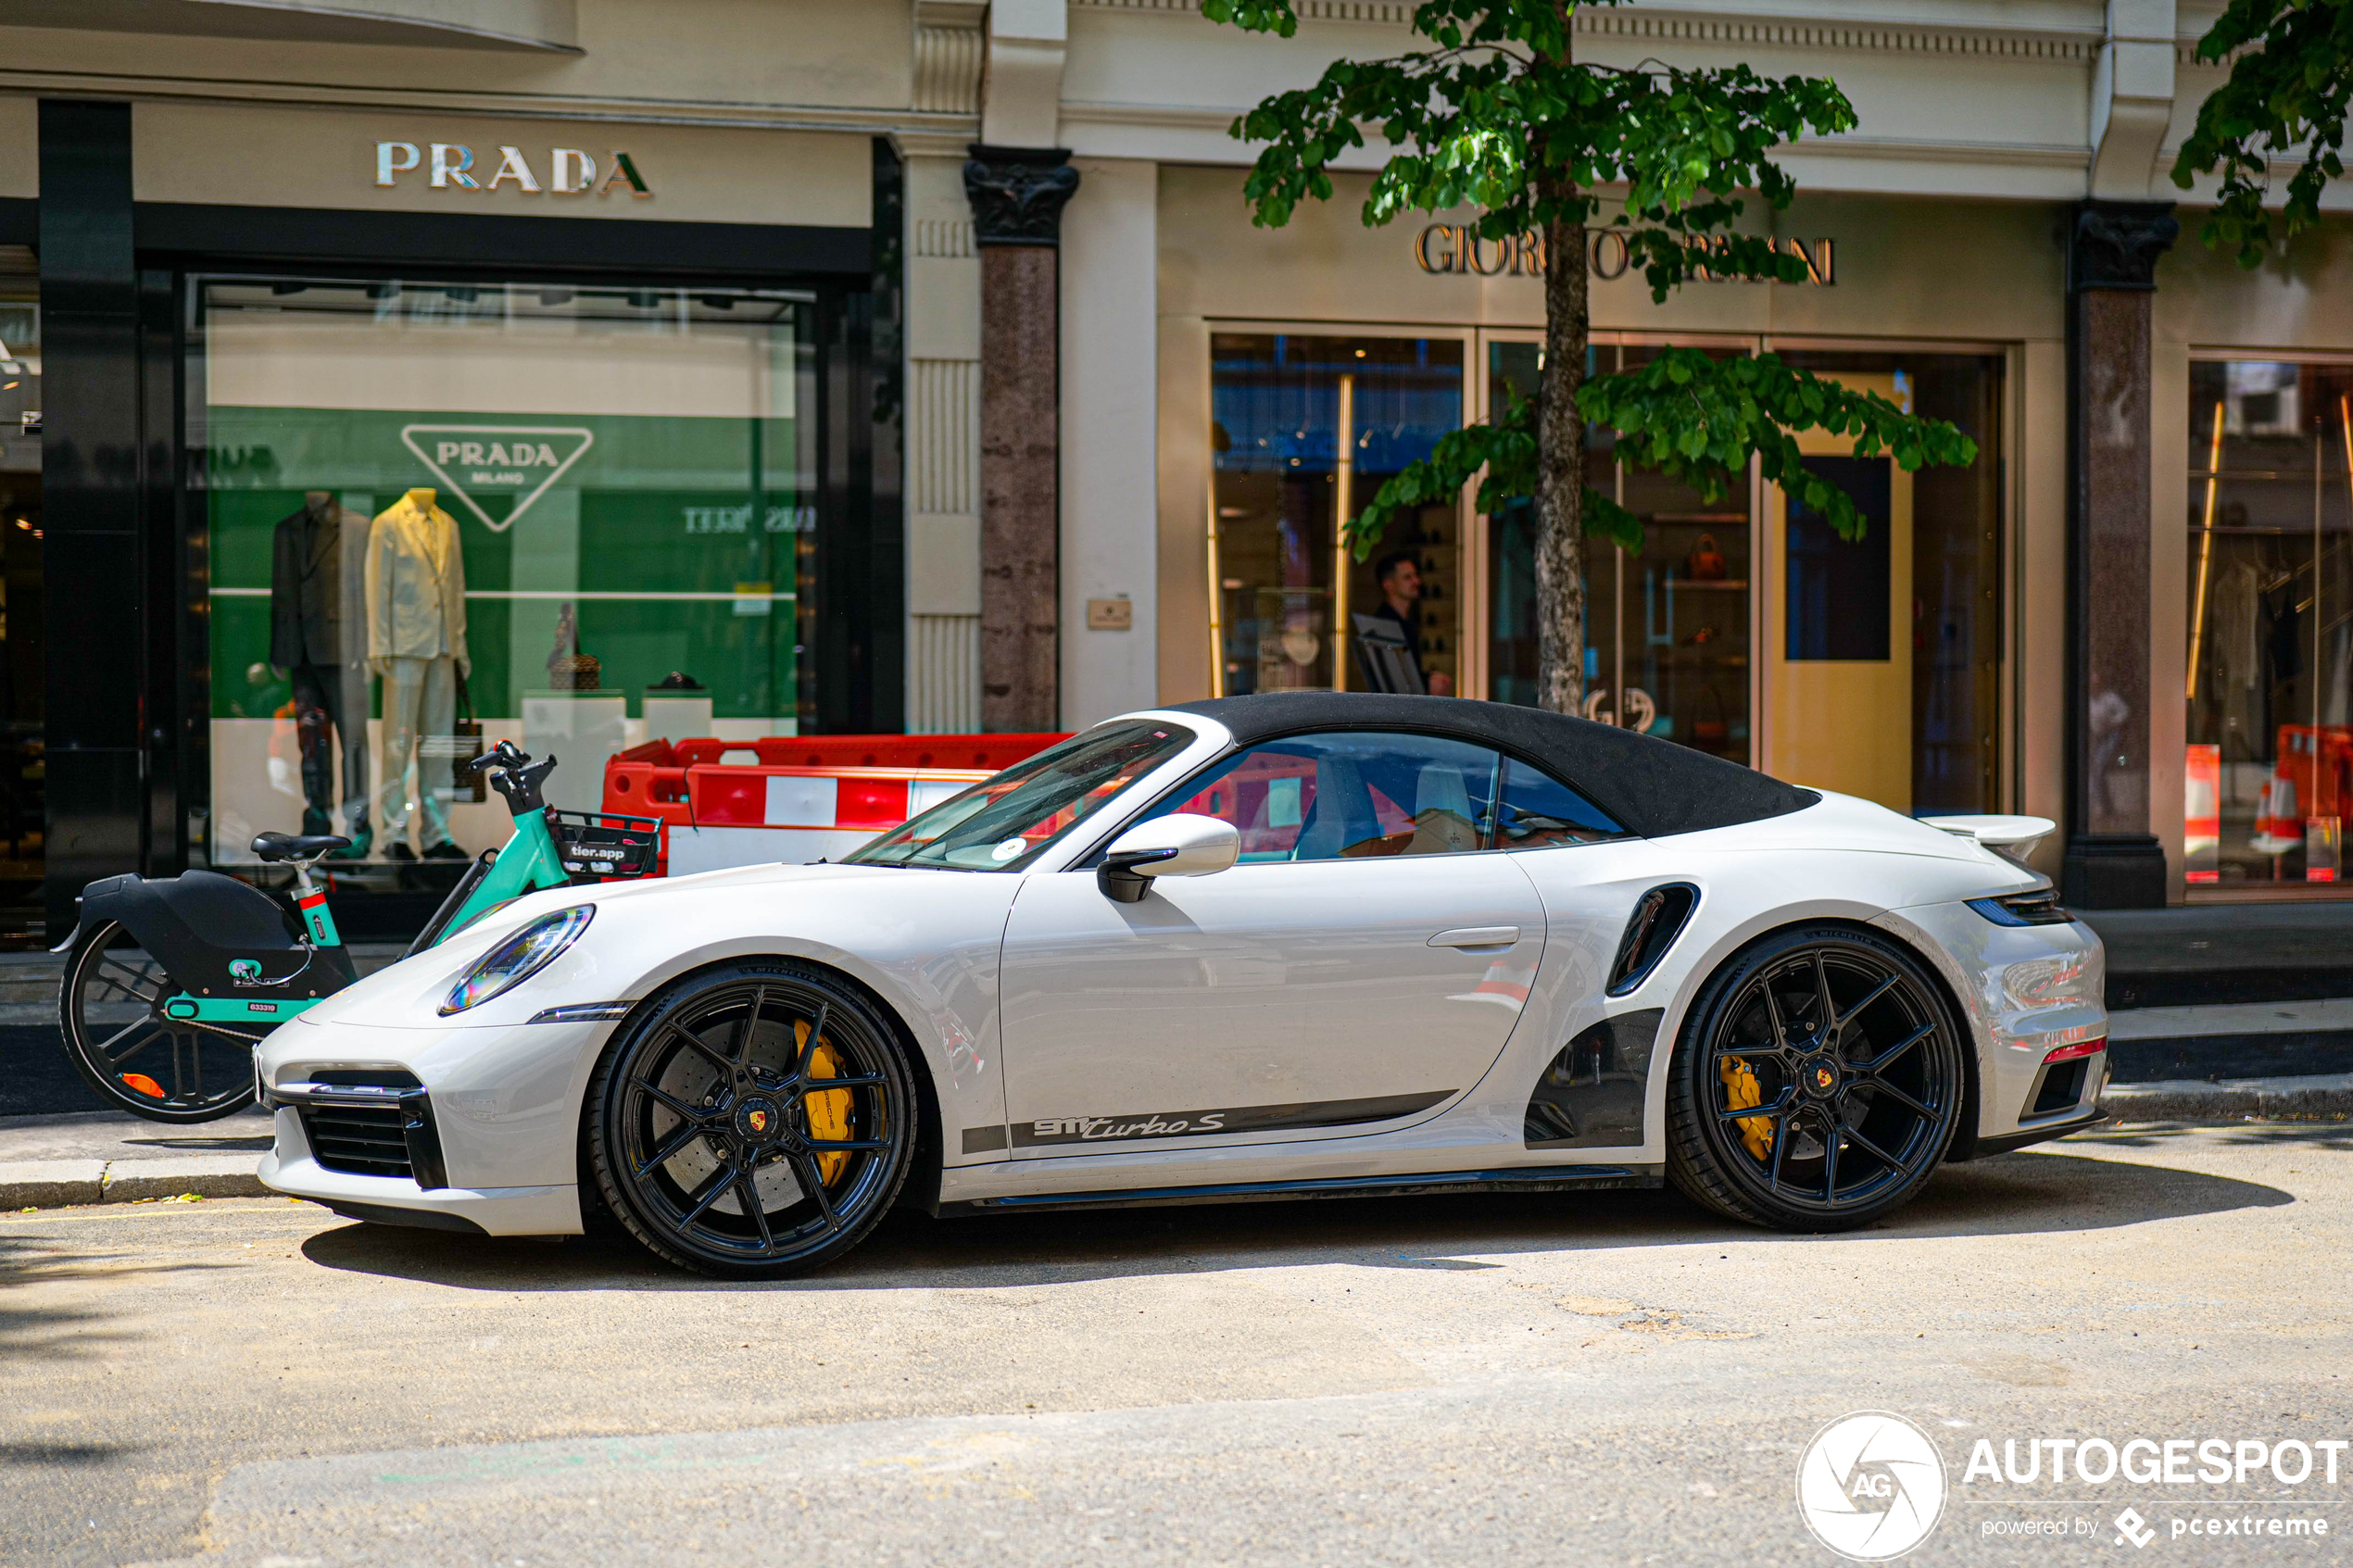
column 452, row 166
column 1457, row 247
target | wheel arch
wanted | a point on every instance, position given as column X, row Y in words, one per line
column 1934, row 963
column 922, row 1187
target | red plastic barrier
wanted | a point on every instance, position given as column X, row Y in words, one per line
column 685, row 782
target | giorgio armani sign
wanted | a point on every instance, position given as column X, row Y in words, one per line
column 1457, row 247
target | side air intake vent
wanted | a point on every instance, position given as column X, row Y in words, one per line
column 1659, row 917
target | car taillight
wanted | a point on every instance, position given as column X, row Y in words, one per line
column 2080, row 1048
column 2039, row 907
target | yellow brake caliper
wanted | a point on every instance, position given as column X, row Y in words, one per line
column 1743, row 1090
column 829, row 1112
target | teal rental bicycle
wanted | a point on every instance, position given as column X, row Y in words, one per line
column 171, row 982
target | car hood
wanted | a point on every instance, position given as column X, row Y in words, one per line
column 645, row 929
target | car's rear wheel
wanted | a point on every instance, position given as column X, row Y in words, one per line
column 1817, row 1083
column 754, row 1120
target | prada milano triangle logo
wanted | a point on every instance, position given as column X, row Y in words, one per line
column 487, row 461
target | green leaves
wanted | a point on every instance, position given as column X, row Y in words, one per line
column 1497, row 118
column 2292, row 87
column 1696, row 419
column 1693, row 417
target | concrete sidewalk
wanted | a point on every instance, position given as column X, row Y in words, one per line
column 108, row 1157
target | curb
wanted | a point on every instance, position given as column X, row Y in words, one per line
column 2190, row 1099
column 58, row 1184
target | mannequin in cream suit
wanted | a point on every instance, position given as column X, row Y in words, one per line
column 417, row 642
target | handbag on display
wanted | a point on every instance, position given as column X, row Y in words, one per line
column 1707, row 562
column 1711, row 735
column 466, row 736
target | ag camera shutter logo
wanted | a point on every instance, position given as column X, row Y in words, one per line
column 1870, row 1485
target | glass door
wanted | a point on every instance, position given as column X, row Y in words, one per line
column 23, row 790
column 1668, row 638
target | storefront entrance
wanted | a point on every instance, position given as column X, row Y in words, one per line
column 1841, row 675
column 1873, row 666
column 21, row 671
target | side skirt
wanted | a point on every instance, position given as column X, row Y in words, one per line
column 1555, row 1178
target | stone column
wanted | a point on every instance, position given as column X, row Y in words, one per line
column 1017, row 195
column 2112, row 860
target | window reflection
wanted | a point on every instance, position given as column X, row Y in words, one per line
column 2270, row 689
column 1305, row 431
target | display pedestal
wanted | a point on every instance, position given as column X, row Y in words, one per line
column 580, row 729
column 677, row 716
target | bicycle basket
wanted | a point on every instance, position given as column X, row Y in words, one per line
column 606, row 844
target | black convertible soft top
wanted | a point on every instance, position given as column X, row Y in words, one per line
column 1653, row 786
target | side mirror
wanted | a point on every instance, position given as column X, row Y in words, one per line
column 1182, row 844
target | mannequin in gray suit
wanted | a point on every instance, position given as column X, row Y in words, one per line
column 318, row 636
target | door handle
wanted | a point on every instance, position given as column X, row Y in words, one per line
column 1477, row 936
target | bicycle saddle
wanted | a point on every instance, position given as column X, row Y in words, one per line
column 273, row 848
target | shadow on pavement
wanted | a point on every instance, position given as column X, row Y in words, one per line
column 2018, row 1194
column 32, row 1329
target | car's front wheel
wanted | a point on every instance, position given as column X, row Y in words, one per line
column 1816, row 1082
column 754, row 1120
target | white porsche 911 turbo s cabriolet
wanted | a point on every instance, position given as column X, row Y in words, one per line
column 1267, row 946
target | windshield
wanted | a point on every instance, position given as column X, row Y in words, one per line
column 1000, row 825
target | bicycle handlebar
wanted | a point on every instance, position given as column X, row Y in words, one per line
column 506, row 756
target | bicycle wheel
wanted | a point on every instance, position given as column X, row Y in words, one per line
column 110, row 1014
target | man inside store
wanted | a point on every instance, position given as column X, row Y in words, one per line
column 1400, row 576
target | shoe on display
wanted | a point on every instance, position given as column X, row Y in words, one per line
column 444, row 850
column 355, row 850
column 399, row 851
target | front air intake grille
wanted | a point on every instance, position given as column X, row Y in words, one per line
column 364, row 1140
column 371, row 1122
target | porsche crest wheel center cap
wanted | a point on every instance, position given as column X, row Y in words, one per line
column 1819, row 1077
column 759, row 1119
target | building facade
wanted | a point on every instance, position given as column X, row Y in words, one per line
column 2130, row 615
column 384, row 381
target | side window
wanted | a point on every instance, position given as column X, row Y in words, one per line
column 1540, row 812
column 1347, row 794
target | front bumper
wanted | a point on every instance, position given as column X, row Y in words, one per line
column 292, row 1168
column 499, row 1105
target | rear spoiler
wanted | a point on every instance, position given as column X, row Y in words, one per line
column 2014, row 837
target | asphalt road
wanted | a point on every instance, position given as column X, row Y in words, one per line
column 1594, row 1379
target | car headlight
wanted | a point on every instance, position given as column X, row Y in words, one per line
column 519, row 957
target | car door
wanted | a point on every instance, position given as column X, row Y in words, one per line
column 1362, row 963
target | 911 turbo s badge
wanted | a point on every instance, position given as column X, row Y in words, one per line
column 1199, row 1123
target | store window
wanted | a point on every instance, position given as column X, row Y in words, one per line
column 21, row 788
column 2270, row 689
column 1667, row 628
column 438, row 514
column 1305, row 431
column 1881, row 657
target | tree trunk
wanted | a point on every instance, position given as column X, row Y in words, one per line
column 1560, row 465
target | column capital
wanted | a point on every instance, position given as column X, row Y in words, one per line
column 1018, row 194
column 2114, row 245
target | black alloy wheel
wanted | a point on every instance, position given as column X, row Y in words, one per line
column 753, row 1121
column 1817, row 1081
column 132, row 1055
